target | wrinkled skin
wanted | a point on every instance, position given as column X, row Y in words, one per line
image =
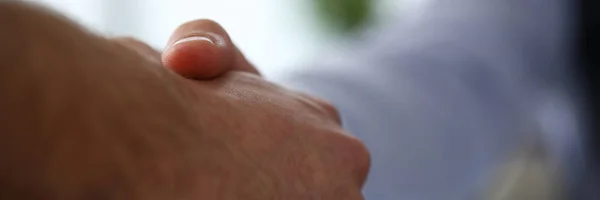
column 84, row 117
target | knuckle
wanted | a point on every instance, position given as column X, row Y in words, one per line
column 330, row 109
column 357, row 156
column 323, row 106
column 349, row 192
column 356, row 195
column 363, row 160
column 350, row 154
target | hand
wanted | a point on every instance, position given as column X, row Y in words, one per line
column 84, row 117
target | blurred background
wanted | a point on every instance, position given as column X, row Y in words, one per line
column 274, row 34
column 277, row 35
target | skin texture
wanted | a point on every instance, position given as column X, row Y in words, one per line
column 85, row 117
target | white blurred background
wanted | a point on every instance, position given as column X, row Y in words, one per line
column 274, row 34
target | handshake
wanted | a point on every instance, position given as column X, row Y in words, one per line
column 89, row 117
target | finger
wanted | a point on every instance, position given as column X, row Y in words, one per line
column 202, row 49
column 138, row 46
column 322, row 106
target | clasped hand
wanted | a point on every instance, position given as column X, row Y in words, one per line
column 89, row 117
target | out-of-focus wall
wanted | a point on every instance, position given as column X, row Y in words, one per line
column 274, row 34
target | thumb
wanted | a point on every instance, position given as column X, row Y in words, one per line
column 202, row 49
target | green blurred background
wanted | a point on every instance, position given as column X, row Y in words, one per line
column 344, row 16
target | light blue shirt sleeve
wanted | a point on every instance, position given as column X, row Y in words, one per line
column 441, row 101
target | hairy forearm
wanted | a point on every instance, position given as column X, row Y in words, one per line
column 91, row 118
column 82, row 118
